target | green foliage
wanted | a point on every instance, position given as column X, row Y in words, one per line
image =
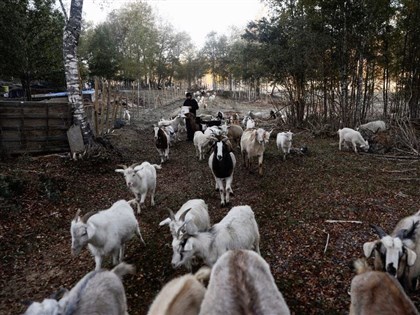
column 103, row 56
column 31, row 41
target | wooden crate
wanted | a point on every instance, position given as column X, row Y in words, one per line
column 34, row 127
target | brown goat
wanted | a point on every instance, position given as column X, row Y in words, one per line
column 376, row 292
column 182, row 295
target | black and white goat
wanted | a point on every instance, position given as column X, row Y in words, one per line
column 162, row 140
column 398, row 253
column 222, row 163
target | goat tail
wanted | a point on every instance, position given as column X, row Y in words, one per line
column 156, row 166
column 203, row 274
column 361, row 266
column 122, row 269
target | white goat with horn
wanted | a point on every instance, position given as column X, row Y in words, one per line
column 237, row 230
column 141, row 180
column 194, row 211
column 105, row 232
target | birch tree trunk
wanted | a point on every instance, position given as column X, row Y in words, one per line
column 70, row 42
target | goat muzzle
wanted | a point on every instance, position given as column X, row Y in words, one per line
column 391, row 270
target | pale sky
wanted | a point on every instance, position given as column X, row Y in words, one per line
column 196, row 17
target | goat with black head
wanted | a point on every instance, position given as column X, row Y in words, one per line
column 162, row 140
column 222, row 163
column 398, row 252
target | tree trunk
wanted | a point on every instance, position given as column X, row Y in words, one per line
column 359, row 88
column 25, row 79
column 70, row 42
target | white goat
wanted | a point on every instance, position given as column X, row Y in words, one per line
column 105, row 232
column 202, row 143
column 182, row 295
column 195, row 211
column 99, row 292
column 214, row 131
column 212, row 98
column 284, row 142
column 253, row 115
column 237, row 230
column 374, row 126
column 127, row 116
column 222, row 163
column 141, row 180
column 206, row 117
column 250, row 123
column 174, row 123
column 398, row 253
column 241, row 283
column 348, row 135
column 376, row 292
column 253, row 144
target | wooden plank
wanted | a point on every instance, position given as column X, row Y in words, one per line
column 31, row 128
column 36, row 139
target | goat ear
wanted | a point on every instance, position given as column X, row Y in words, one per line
column 191, row 228
column 411, row 257
column 119, row 170
column 188, row 246
column 165, row 222
column 90, row 230
column 368, row 248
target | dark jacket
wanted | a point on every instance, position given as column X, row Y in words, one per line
column 192, row 104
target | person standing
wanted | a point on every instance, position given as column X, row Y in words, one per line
column 192, row 106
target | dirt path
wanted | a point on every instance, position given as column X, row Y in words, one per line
column 292, row 202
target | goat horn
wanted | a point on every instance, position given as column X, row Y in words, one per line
column 88, row 215
column 410, row 233
column 182, row 217
column 171, row 214
column 179, row 230
column 123, row 166
column 378, row 230
column 401, row 234
column 77, row 214
column 134, row 164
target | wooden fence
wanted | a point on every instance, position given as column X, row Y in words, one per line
column 34, row 127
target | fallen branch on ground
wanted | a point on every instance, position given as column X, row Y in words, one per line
column 326, row 244
column 401, row 171
column 343, row 221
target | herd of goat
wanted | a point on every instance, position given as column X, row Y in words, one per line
column 239, row 279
